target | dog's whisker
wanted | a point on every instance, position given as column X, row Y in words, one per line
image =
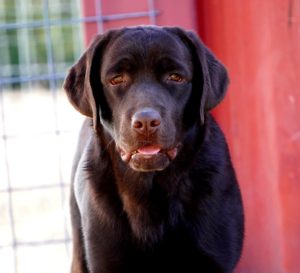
column 108, row 145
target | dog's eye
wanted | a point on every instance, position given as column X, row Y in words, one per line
column 117, row 80
column 175, row 77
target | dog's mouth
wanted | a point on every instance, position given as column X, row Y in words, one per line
column 149, row 158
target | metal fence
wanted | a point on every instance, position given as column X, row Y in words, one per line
column 39, row 40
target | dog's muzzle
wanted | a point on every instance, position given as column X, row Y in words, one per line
column 149, row 158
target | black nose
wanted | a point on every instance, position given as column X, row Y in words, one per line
column 146, row 121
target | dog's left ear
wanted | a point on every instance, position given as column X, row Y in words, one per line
column 82, row 84
column 208, row 69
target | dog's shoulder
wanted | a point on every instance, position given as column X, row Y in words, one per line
column 214, row 149
column 211, row 171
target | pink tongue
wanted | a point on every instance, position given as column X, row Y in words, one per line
column 149, row 150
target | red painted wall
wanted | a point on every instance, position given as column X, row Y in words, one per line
column 259, row 41
column 169, row 13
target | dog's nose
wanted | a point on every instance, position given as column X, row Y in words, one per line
column 146, row 120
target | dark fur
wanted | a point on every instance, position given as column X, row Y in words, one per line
column 179, row 210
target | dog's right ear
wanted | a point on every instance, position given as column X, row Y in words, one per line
column 82, row 84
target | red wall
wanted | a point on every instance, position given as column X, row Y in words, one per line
column 259, row 41
column 170, row 13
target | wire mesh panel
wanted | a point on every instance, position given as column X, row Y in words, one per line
column 39, row 40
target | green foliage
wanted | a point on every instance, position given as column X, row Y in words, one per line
column 25, row 49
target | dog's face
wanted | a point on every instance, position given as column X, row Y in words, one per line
column 146, row 78
column 147, row 86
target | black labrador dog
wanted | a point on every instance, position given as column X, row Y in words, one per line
column 153, row 186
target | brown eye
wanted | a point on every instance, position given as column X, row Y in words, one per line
column 175, row 77
column 117, row 80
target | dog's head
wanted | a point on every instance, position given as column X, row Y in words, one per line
column 147, row 86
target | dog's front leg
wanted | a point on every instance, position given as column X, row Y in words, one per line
column 78, row 259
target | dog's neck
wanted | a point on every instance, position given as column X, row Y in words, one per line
column 147, row 197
